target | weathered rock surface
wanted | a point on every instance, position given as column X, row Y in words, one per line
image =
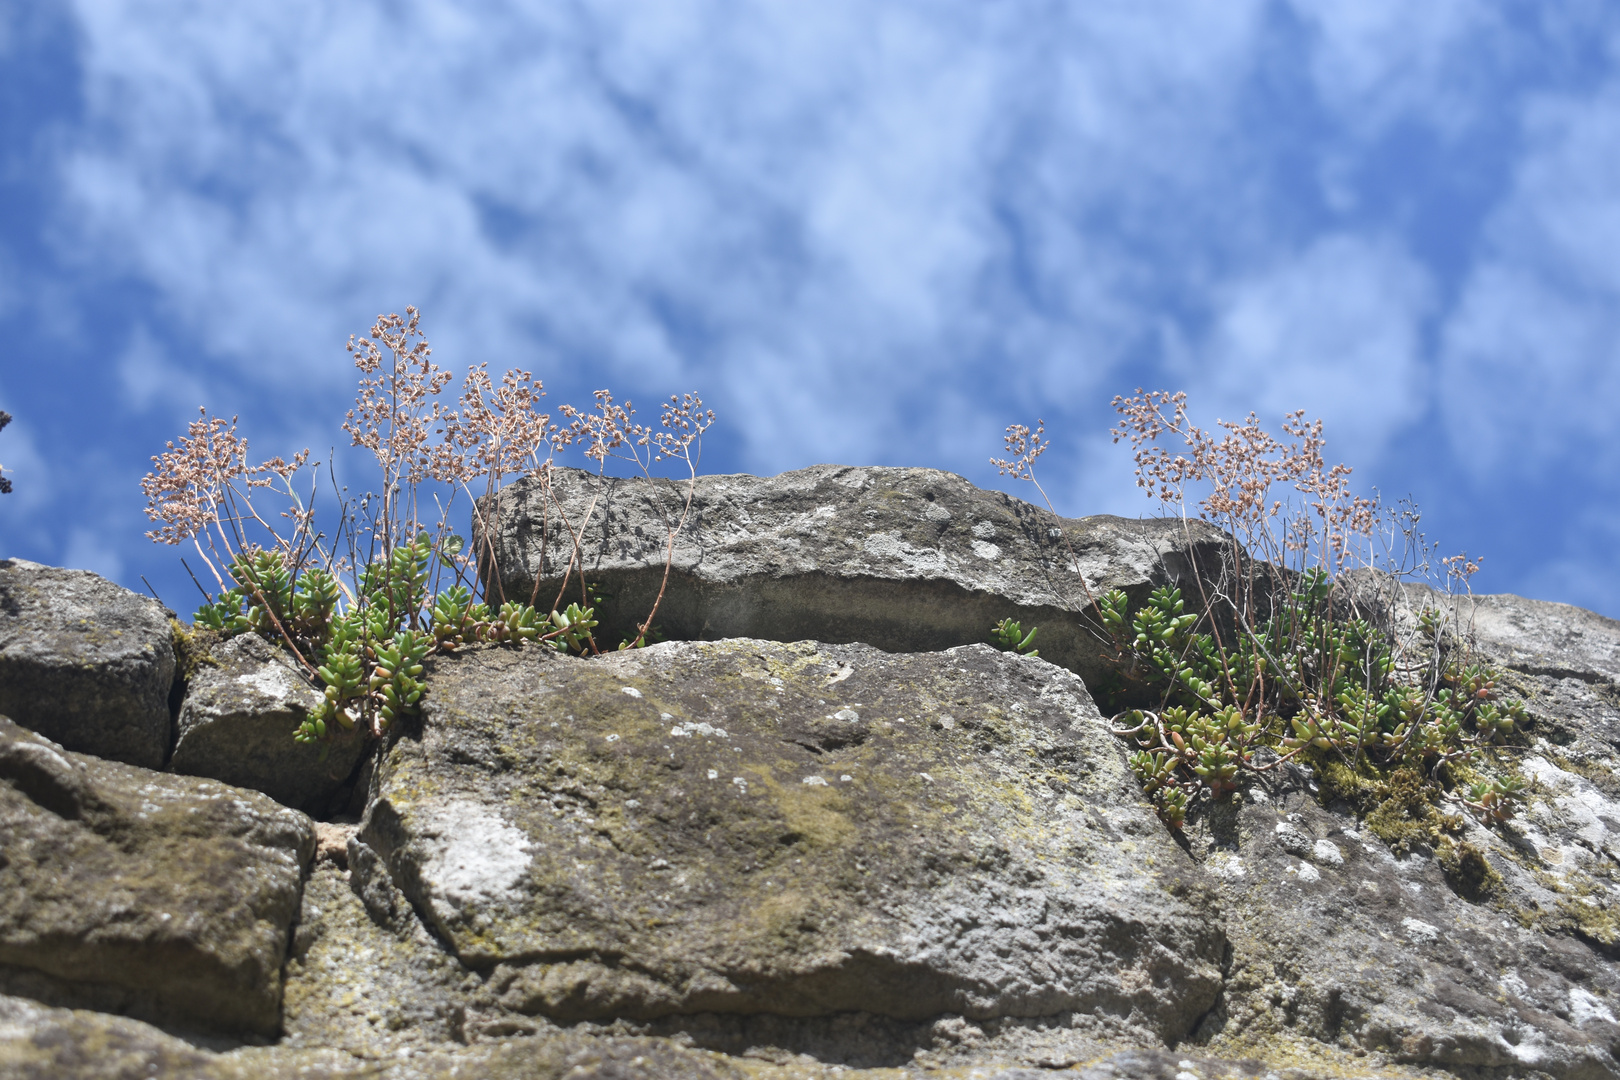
column 1561, row 856
column 236, row 724
column 798, row 830
column 749, row 858
column 1490, row 954
column 908, row 560
column 86, row 663
column 1338, row 938
column 136, row 892
column 39, row 1043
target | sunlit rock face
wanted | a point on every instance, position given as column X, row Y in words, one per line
column 85, row 663
column 821, row 830
column 907, row 560
column 165, row 897
column 794, row 829
column 237, row 721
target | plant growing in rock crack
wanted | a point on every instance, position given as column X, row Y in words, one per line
column 1008, row 636
column 1294, row 647
column 361, row 610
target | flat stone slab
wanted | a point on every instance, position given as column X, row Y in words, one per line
column 798, row 829
column 1540, row 637
column 165, row 897
column 908, row 560
column 84, row 662
column 237, row 722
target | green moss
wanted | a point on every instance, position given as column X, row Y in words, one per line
column 193, row 647
column 1407, row 814
column 1467, row 870
column 1597, row 924
column 1399, row 806
column 1338, row 781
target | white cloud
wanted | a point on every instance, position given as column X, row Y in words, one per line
column 1531, row 361
column 818, row 199
column 148, row 375
column 93, row 550
column 1377, row 62
column 863, row 232
column 1335, row 330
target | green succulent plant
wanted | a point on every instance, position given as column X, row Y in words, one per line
column 1278, row 660
column 1303, row 684
column 1009, row 636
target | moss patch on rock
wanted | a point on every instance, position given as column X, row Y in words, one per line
column 193, row 648
column 1468, row 871
column 800, row 829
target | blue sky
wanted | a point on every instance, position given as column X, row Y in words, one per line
column 868, row 234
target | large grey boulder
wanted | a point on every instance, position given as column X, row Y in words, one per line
column 129, row 891
column 1563, row 661
column 907, row 560
column 86, row 663
column 798, row 830
column 236, row 724
column 1559, row 857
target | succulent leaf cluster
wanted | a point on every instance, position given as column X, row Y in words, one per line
column 1008, row 636
column 366, row 652
column 1309, row 681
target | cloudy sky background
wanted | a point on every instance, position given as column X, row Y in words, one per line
column 867, row 234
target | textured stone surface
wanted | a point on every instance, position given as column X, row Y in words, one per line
column 1339, row 939
column 369, row 985
column 236, row 724
column 1561, row 858
column 903, row 559
column 86, row 663
column 126, row 890
column 42, row 1043
column 985, row 896
column 753, row 827
column 38, row 1043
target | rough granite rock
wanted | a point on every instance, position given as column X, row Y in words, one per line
column 793, row 829
column 237, row 721
column 84, row 662
column 907, row 560
column 130, row 891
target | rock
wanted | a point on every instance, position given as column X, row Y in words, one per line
column 236, row 725
column 42, row 1043
column 86, row 663
column 1538, row 637
column 907, row 560
column 799, row 830
column 1481, row 951
column 788, row 860
column 1339, row 939
column 1559, row 857
column 369, row 987
column 164, row 897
